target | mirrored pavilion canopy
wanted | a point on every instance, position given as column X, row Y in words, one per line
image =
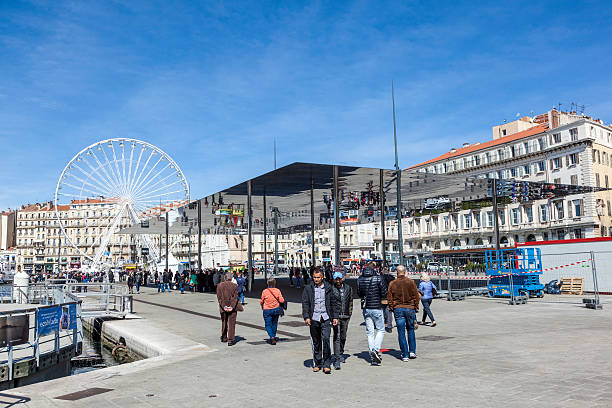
column 286, row 192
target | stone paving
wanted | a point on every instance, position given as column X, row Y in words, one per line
column 549, row 353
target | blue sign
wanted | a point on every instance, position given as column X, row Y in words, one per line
column 49, row 320
column 73, row 317
column 68, row 319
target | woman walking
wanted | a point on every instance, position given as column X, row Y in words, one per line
column 271, row 299
column 428, row 289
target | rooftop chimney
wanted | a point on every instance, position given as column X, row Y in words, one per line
column 466, row 144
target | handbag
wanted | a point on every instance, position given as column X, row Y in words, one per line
column 283, row 305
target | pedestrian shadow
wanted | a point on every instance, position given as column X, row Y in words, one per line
column 10, row 400
column 364, row 355
column 238, row 339
column 393, row 353
column 309, row 363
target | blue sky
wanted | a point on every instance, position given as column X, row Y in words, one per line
column 213, row 84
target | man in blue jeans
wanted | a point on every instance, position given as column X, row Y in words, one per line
column 372, row 290
column 403, row 299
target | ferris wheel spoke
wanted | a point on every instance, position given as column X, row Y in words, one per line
column 140, row 190
column 155, row 177
column 110, row 169
column 143, row 179
column 107, row 237
column 166, row 193
column 109, row 179
column 121, row 182
column 98, row 237
column 102, row 179
column 150, row 193
column 103, row 188
column 81, row 189
column 123, row 163
column 106, row 229
column 129, row 177
column 144, row 167
column 133, row 178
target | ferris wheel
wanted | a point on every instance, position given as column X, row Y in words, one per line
column 113, row 184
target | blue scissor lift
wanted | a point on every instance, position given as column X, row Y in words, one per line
column 514, row 271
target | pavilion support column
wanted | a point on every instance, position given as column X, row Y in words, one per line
column 336, row 219
column 167, row 244
column 275, row 241
column 381, row 203
column 200, row 235
column 265, row 237
column 250, row 234
column 312, row 224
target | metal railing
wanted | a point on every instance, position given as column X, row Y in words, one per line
column 31, row 349
column 38, row 293
column 101, row 298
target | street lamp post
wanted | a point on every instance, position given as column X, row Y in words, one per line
column 275, row 211
column 400, row 239
column 189, row 249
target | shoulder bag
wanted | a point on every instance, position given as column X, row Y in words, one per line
column 434, row 292
column 283, row 305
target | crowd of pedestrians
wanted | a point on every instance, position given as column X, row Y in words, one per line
column 327, row 306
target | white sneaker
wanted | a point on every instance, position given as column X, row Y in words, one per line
column 405, row 359
column 412, row 356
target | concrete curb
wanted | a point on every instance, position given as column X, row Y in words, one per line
column 142, row 338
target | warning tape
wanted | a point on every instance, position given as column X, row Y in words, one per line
column 508, row 274
column 563, row 266
column 484, row 277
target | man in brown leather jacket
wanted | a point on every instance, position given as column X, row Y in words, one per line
column 227, row 295
column 403, row 297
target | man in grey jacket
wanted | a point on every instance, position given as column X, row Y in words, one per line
column 320, row 312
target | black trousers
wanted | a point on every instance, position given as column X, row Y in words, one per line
column 319, row 336
column 340, row 336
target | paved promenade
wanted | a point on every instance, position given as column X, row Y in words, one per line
column 548, row 353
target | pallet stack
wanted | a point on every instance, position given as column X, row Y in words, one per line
column 572, row 286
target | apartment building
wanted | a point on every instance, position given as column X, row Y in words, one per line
column 39, row 240
column 7, row 229
column 555, row 147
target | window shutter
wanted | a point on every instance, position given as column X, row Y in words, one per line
column 551, row 164
column 567, row 162
column 577, row 158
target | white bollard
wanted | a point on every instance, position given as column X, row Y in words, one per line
column 21, row 282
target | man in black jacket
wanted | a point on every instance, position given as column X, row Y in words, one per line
column 372, row 290
column 320, row 312
column 167, row 278
column 343, row 296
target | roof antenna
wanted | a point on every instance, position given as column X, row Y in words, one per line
column 274, row 152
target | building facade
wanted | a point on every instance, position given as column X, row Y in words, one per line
column 7, row 229
column 556, row 147
column 40, row 242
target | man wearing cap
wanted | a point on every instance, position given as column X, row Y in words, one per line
column 343, row 297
